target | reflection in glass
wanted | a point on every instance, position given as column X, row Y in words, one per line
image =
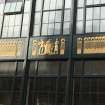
column 44, row 29
column 67, row 15
column 58, row 16
column 88, row 26
column 102, row 27
column 96, row 26
column 79, row 27
column 102, row 13
column 96, row 12
column 59, row 4
column 7, row 7
column 38, row 5
column 52, row 16
column 46, row 4
column 1, row 8
column 52, row 4
column 6, row 20
column 13, row 6
column 57, row 28
column 37, row 18
column 45, row 17
column 89, row 12
column 66, row 28
column 36, row 31
column 80, row 14
column 50, row 29
column 68, row 3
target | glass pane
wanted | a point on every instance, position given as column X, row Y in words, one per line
column 80, row 3
column 37, row 18
column 89, row 2
column 27, row 6
column 45, row 17
column 50, row 29
column 88, row 26
column 1, row 8
column 67, row 15
column 44, row 29
column 6, row 20
column 57, row 28
column 66, row 28
column 52, row 4
column 16, row 31
column 11, row 20
column 96, row 13
column 5, row 32
column 102, row 27
column 102, row 1
column 46, row 4
column 18, row 19
column 58, row 16
column 12, row 8
column 89, row 12
column 96, row 1
column 24, row 31
column 26, row 19
column 80, row 14
column 68, row 3
column 79, row 27
column 7, row 7
column 102, row 13
column 1, row 18
column 96, row 26
column 59, row 4
column 38, row 5
column 10, row 31
column 52, row 16
column 18, row 6
column 36, row 31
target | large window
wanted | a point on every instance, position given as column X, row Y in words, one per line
column 52, row 17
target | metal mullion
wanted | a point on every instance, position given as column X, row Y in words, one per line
column 62, row 17
column 41, row 23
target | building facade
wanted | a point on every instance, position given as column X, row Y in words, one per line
column 52, row 52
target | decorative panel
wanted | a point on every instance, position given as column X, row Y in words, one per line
column 52, row 47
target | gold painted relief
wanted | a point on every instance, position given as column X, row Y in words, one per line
column 11, row 47
column 92, row 45
column 48, row 47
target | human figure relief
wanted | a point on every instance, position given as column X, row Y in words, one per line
column 62, row 46
column 41, row 47
column 34, row 48
column 48, row 47
column 56, row 47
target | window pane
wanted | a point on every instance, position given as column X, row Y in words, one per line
column 58, row 16
column 89, row 26
column 18, row 19
column 5, row 32
column 96, row 12
column 11, row 20
column 68, row 3
column 36, row 31
column 10, row 31
column 16, row 31
column 37, row 18
column 27, row 6
column 80, row 3
column 102, row 13
column 50, row 29
column 66, row 28
column 7, row 7
column 89, row 2
column 38, row 5
column 79, row 27
column 59, row 4
column 46, row 4
column 89, row 12
column 67, row 16
column 96, row 1
column 102, row 28
column 57, row 28
column 6, row 20
column 1, row 8
column 24, row 31
column 80, row 14
column 1, row 18
column 44, row 29
column 45, row 17
column 52, row 16
column 52, row 4
column 102, row 1
column 18, row 6
column 96, row 26
column 26, row 19
column 12, row 8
